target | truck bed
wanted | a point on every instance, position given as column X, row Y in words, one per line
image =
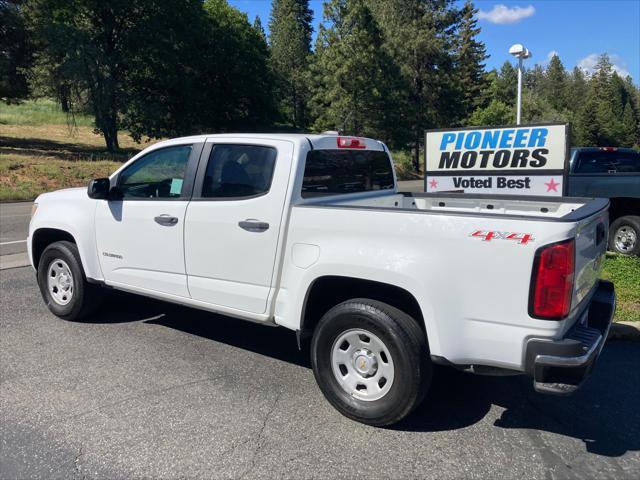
column 567, row 209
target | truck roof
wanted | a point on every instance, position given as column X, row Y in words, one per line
column 317, row 141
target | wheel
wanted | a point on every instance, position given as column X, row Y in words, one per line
column 624, row 235
column 371, row 361
column 63, row 284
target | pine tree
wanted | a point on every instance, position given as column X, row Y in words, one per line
column 507, row 84
column 577, row 90
column 629, row 127
column 554, row 85
column 586, row 129
column 534, row 78
column 356, row 83
column 470, row 55
column 290, row 39
column 257, row 26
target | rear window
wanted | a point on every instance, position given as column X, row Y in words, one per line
column 331, row 172
column 604, row 162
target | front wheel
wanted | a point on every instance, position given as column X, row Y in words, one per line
column 371, row 361
column 624, row 235
column 62, row 282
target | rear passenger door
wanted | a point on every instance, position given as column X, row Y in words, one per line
column 233, row 222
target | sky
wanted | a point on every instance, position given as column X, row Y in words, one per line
column 577, row 30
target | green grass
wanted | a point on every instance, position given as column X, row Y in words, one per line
column 624, row 272
column 39, row 112
column 24, row 178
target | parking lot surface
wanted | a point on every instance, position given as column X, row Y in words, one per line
column 158, row 391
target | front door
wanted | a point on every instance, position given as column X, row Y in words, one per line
column 140, row 237
column 232, row 225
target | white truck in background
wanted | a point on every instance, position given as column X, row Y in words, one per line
column 309, row 232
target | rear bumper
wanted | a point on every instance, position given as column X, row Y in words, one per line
column 560, row 366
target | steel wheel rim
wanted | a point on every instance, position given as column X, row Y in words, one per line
column 625, row 239
column 60, row 282
column 362, row 364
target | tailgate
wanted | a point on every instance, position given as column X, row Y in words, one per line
column 591, row 244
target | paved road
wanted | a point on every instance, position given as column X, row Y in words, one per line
column 14, row 227
column 159, row 391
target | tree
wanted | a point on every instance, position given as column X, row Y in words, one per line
column 15, row 52
column 290, row 38
column 155, row 67
column 495, row 114
column 470, row 55
column 577, row 89
column 257, row 26
column 101, row 47
column 507, row 84
column 420, row 38
column 534, row 78
column 554, row 85
column 629, row 127
column 356, row 84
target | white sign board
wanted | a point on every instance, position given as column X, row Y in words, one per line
column 522, row 160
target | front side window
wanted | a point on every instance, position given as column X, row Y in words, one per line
column 159, row 174
column 332, row 172
column 236, row 171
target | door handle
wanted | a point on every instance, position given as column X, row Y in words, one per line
column 251, row 225
column 165, row 219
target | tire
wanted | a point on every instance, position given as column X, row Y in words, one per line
column 624, row 235
column 63, row 284
column 403, row 357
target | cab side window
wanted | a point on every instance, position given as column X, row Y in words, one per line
column 159, row 174
column 237, row 171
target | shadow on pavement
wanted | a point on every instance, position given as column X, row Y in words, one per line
column 603, row 413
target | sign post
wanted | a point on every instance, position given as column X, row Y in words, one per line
column 514, row 160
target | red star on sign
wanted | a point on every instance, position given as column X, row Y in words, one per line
column 433, row 183
column 552, row 185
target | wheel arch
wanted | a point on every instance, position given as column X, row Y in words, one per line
column 623, row 206
column 43, row 237
column 327, row 291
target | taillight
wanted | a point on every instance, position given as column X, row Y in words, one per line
column 609, row 149
column 552, row 281
column 350, row 142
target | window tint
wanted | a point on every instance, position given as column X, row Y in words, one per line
column 330, row 172
column 158, row 174
column 239, row 171
column 604, row 162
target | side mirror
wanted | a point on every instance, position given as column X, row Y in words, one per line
column 99, row 188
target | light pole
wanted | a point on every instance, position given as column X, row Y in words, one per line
column 521, row 53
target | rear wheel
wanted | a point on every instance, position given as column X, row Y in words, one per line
column 63, row 284
column 371, row 361
column 624, row 235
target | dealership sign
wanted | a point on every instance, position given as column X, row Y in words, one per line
column 521, row 160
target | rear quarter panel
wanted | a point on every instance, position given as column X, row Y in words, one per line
column 473, row 293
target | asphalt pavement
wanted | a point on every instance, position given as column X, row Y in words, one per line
column 151, row 390
column 14, row 227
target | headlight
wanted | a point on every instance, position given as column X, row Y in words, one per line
column 34, row 207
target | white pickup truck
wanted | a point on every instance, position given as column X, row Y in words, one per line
column 309, row 232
